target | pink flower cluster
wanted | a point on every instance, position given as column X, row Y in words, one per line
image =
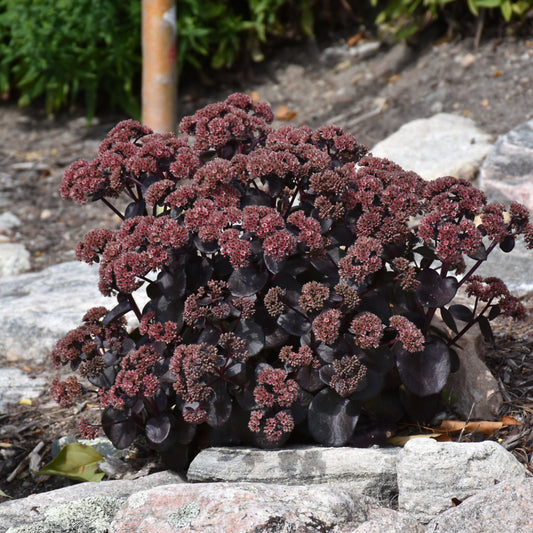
column 367, row 330
column 269, row 258
column 409, row 335
column 493, row 291
column 326, row 326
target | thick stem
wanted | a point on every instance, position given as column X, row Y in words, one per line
column 113, row 208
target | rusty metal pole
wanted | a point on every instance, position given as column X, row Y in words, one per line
column 159, row 68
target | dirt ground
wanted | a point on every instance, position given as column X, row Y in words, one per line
column 370, row 97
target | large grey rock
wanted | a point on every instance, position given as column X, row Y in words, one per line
column 14, row 259
column 513, row 268
column 443, row 145
column 16, row 384
column 369, row 471
column 389, row 521
column 243, row 508
column 431, row 474
column 38, row 308
column 42, row 512
column 505, row 507
column 507, row 172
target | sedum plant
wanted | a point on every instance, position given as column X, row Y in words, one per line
column 292, row 281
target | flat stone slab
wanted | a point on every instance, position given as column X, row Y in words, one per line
column 443, row 145
column 431, row 474
column 369, row 471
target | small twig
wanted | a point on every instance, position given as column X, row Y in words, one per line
column 466, row 423
column 20, row 466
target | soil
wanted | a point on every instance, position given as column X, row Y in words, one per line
column 369, row 97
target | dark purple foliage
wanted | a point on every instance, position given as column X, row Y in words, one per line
column 292, row 283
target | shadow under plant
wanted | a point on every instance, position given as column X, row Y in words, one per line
column 292, row 284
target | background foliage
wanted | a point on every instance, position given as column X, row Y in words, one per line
column 57, row 53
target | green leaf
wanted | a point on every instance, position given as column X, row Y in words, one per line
column 472, row 5
column 488, row 3
column 75, row 461
column 507, row 10
column 3, row 494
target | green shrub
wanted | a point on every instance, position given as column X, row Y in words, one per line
column 69, row 51
column 90, row 50
column 404, row 18
column 221, row 31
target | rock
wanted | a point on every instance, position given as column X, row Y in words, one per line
column 369, row 471
column 431, row 473
column 243, row 508
column 503, row 507
column 9, row 220
column 507, row 172
column 443, row 145
column 88, row 515
column 513, row 268
column 474, row 392
column 56, row 511
column 15, row 384
column 38, row 308
column 389, row 521
column 14, row 259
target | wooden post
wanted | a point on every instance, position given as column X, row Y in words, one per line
column 159, row 68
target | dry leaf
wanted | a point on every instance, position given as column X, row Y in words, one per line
column 486, row 427
column 510, row 421
column 497, row 73
column 394, row 79
column 285, row 114
column 254, row 95
column 354, row 39
column 485, row 103
column 342, row 66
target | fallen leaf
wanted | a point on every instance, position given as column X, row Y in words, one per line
column 497, row 73
column 284, row 113
column 484, row 427
column 394, row 79
column 75, row 461
column 354, row 39
column 485, row 103
column 510, row 421
column 4, row 495
column 254, row 95
column 342, row 66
